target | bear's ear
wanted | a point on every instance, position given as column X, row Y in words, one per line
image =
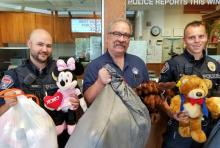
column 182, row 81
column 208, row 83
column 185, row 80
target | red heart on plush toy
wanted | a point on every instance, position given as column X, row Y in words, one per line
column 53, row 102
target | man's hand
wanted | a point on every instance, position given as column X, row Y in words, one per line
column 182, row 117
column 103, row 76
column 9, row 101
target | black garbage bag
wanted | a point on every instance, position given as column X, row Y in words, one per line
column 116, row 119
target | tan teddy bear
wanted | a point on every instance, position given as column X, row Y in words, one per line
column 192, row 99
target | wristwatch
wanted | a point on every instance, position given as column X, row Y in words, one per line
column 155, row 30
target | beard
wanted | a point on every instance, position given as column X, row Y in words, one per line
column 41, row 57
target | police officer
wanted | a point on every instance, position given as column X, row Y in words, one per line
column 192, row 61
column 34, row 77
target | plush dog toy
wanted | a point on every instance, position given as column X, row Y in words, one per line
column 154, row 94
column 192, row 99
column 68, row 88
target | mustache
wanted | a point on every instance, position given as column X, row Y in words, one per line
column 44, row 53
column 118, row 43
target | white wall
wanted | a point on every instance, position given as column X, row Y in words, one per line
column 167, row 18
column 174, row 18
column 156, row 17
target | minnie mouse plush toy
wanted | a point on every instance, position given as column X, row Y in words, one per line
column 66, row 80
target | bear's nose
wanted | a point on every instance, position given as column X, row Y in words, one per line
column 62, row 83
column 198, row 94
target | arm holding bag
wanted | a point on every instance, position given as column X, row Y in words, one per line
column 27, row 125
column 116, row 119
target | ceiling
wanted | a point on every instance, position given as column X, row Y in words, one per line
column 52, row 5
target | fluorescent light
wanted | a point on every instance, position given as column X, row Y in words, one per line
column 81, row 13
column 63, row 13
column 98, row 13
column 37, row 10
column 17, row 7
column 130, row 12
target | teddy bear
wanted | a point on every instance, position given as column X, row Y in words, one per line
column 66, row 81
column 192, row 99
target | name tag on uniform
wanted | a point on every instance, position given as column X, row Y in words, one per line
column 211, row 76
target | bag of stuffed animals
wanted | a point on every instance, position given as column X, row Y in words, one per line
column 26, row 125
column 116, row 119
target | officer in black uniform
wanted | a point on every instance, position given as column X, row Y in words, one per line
column 34, row 76
column 192, row 61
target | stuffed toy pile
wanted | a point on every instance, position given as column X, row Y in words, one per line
column 192, row 99
column 68, row 88
column 154, row 94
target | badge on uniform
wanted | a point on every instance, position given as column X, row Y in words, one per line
column 6, row 82
column 165, row 68
column 211, row 66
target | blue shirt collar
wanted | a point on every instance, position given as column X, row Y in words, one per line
column 109, row 59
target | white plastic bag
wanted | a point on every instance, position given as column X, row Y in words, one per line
column 27, row 125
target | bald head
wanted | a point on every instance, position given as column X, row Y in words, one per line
column 39, row 33
column 40, row 45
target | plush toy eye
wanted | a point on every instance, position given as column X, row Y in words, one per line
column 202, row 86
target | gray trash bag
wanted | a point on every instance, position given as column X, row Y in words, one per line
column 116, row 119
column 213, row 140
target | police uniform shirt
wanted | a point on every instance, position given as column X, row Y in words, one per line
column 29, row 79
column 134, row 71
column 186, row 64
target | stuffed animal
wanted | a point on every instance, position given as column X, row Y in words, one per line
column 192, row 99
column 154, row 94
column 68, row 88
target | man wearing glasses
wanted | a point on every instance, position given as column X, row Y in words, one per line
column 131, row 67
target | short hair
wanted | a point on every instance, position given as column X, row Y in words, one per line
column 121, row 20
column 193, row 24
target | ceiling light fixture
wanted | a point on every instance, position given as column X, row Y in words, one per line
column 63, row 13
column 4, row 5
column 81, row 13
column 37, row 10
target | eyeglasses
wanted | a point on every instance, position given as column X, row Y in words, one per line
column 119, row 34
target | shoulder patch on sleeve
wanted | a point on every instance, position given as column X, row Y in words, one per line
column 165, row 68
column 6, row 82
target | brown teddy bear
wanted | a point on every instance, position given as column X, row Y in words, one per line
column 192, row 99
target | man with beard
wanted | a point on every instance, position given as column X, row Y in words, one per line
column 131, row 67
column 34, row 76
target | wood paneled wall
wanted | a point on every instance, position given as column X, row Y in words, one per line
column 113, row 9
